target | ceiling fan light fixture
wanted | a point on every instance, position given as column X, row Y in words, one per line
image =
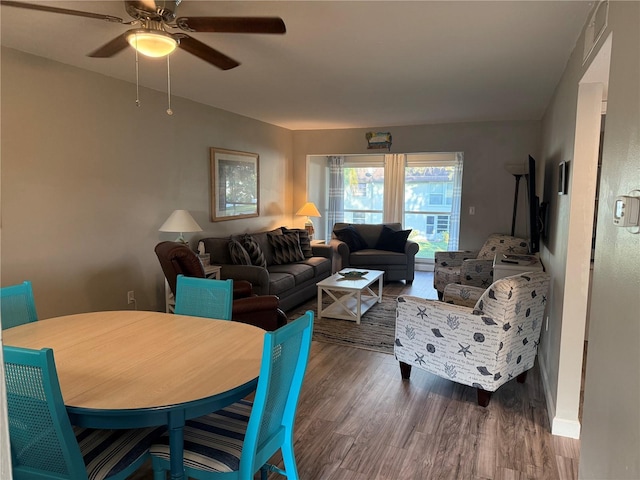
column 152, row 43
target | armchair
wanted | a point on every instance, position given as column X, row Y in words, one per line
column 376, row 247
column 482, row 347
column 263, row 311
column 463, row 295
column 473, row 267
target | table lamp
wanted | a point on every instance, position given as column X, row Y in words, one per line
column 180, row 221
column 310, row 210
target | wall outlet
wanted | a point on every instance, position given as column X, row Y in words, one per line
column 472, row 210
column 130, row 297
column 546, row 326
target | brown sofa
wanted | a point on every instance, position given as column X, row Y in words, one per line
column 293, row 282
column 376, row 247
column 262, row 311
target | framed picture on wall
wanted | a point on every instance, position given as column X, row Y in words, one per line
column 562, row 178
column 235, row 185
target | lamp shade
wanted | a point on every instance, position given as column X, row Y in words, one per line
column 180, row 221
column 516, row 168
column 309, row 209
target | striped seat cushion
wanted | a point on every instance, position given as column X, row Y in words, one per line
column 108, row 452
column 212, row 443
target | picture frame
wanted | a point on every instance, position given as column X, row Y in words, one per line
column 235, row 184
column 562, row 178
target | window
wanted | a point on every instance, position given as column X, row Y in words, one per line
column 363, row 190
column 432, row 201
column 436, row 226
column 430, row 206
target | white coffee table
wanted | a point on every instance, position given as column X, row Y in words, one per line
column 356, row 295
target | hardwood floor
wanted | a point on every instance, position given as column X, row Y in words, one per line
column 358, row 420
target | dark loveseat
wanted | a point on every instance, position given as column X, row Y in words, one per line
column 376, row 247
column 280, row 270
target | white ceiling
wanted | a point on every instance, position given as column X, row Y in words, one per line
column 341, row 64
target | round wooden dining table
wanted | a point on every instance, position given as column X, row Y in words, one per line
column 130, row 369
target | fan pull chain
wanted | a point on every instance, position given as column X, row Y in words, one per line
column 169, row 111
column 137, row 82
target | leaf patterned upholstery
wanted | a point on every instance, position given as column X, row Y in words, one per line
column 462, row 294
column 482, row 347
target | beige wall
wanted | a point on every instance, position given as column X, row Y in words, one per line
column 88, row 178
column 486, row 185
column 610, row 438
column 611, row 420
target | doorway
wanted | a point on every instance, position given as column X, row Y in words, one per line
column 592, row 95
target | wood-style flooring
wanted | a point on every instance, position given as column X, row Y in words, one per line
column 358, row 420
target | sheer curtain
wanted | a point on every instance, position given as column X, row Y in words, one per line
column 336, row 193
column 393, row 210
column 454, row 228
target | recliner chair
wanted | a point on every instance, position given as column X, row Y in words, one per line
column 262, row 311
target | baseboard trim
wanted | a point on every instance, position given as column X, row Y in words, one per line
column 559, row 426
column 424, row 267
column 566, row 428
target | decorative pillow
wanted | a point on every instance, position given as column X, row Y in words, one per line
column 392, row 240
column 255, row 252
column 303, row 237
column 351, row 237
column 286, row 248
column 239, row 255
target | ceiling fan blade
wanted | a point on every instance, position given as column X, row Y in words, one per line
column 206, row 53
column 232, row 24
column 109, row 49
column 64, row 11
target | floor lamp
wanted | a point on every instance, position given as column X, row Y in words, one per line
column 518, row 171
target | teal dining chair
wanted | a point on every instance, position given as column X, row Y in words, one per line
column 237, row 441
column 43, row 442
column 17, row 305
column 204, row 297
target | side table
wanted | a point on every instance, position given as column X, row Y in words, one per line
column 210, row 271
column 507, row 265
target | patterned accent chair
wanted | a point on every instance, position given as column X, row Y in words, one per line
column 482, row 347
column 474, row 267
column 463, row 295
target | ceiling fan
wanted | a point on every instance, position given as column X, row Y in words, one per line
column 154, row 20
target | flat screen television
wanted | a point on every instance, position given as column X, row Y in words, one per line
column 534, row 208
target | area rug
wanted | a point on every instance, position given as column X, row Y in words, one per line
column 376, row 330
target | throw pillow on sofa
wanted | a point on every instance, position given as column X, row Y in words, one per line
column 255, row 252
column 303, row 237
column 239, row 255
column 392, row 240
column 286, row 248
column 351, row 237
